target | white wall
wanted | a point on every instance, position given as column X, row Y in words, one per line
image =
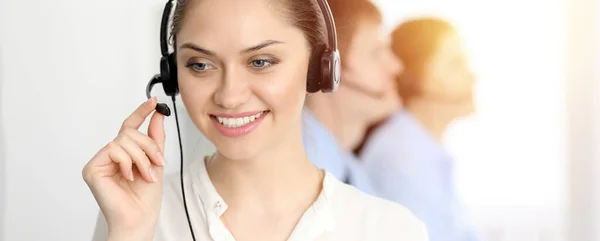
column 2, row 158
column 72, row 71
column 584, row 119
column 596, row 129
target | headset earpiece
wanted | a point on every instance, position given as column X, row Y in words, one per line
column 168, row 74
column 331, row 68
column 324, row 71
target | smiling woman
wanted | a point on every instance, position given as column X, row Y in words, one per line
column 244, row 68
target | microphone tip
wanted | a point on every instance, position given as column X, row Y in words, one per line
column 163, row 109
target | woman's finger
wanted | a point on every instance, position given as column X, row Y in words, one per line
column 139, row 158
column 149, row 146
column 120, row 156
column 136, row 119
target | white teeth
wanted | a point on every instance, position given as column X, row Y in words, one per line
column 238, row 122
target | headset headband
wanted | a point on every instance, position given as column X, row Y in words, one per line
column 164, row 27
column 330, row 24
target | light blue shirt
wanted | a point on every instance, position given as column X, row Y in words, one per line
column 324, row 151
column 408, row 166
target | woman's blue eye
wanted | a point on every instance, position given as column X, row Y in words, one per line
column 260, row 63
column 200, row 66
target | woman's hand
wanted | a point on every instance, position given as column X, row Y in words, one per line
column 125, row 176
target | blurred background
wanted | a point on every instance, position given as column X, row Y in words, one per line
column 526, row 162
column 512, row 155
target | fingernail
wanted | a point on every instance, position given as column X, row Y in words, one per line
column 152, row 174
column 130, row 175
column 161, row 158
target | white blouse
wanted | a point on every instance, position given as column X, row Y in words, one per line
column 341, row 212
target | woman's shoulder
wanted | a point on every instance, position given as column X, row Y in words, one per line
column 381, row 219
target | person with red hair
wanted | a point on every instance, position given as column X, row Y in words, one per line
column 404, row 156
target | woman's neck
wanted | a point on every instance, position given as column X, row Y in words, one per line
column 435, row 117
column 275, row 181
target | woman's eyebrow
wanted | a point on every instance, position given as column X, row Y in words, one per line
column 196, row 48
column 261, row 46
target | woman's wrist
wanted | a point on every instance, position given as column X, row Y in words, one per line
column 124, row 237
column 130, row 236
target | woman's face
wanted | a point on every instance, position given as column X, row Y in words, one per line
column 242, row 74
column 447, row 76
column 370, row 62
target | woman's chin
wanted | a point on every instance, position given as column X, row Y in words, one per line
column 237, row 151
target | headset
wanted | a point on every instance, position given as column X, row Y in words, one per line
column 327, row 78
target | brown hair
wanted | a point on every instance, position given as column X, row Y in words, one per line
column 305, row 15
column 415, row 42
column 348, row 15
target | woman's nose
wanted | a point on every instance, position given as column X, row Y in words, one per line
column 233, row 91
